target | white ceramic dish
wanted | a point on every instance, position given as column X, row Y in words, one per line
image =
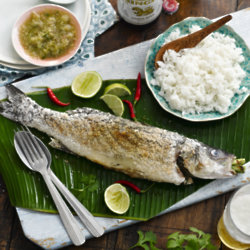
column 62, row 1
column 27, row 66
column 238, row 99
column 48, row 62
column 14, row 8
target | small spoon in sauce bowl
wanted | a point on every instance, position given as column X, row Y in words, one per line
column 62, row 1
column 191, row 40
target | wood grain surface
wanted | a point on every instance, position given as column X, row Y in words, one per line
column 204, row 215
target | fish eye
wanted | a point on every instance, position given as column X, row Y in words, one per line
column 216, row 153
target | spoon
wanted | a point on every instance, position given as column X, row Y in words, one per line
column 30, row 152
column 62, row 1
column 85, row 216
column 191, row 40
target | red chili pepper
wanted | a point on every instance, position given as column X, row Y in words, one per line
column 131, row 109
column 133, row 186
column 129, row 184
column 138, row 89
column 53, row 98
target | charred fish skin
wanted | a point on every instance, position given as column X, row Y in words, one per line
column 116, row 143
column 19, row 108
column 205, row 162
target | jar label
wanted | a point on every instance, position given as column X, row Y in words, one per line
column 139, row 12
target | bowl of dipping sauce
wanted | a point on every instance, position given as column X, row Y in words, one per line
column 234, row 226
column 47, row 35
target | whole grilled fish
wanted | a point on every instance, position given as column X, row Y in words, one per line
column 135, row 149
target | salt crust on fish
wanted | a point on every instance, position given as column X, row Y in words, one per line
column 135, row 149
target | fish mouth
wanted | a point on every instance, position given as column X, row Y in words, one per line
column 208, row 163
column 186, row 173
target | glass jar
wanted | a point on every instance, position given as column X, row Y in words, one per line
column 234, row 225
column 139, row 12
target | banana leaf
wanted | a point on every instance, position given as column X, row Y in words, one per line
column 88, row 180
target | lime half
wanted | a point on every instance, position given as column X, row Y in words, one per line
column 86, row 84
column 114, row 103
column 117, row 89
column 117, row 199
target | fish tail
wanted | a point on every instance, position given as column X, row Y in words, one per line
column 18, row 107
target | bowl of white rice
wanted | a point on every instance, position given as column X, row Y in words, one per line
column 208, row 82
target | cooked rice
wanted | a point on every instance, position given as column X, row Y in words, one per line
column 201, row 79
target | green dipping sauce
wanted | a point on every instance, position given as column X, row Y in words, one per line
column 48, row 34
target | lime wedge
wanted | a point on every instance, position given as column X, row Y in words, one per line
column 117, row 198
column 86, row 84
column 117, row 89
column 114, row 103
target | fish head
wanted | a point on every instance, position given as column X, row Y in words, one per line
column 206, row 162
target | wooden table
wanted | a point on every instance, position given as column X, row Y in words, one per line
column 204, row 215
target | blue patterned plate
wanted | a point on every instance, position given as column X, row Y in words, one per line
column 184, row 26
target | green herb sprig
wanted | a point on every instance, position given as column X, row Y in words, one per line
column 197, row 240
column 89, row 184
column 146, row 241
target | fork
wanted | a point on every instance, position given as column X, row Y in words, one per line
column 30, row 151
column 85, row 216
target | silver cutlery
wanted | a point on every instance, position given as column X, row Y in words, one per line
column 36, row 156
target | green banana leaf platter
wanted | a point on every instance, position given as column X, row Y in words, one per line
column 88, row 180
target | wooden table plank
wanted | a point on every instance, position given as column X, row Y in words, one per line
column 6, row 217
column 123, row 34
column 242, row 4
column 203, row 215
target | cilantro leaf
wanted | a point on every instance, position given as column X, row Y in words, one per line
column 196, row 241
column 146, row 241
column 175, row 241
column 93, row 187
column 192, row 244
column 195, row 230
column 89, row 183
column 172, row 244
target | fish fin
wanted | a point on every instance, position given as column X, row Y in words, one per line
column 18, row 106
column 54, row 143
column 7, row 109
column 13, row 92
